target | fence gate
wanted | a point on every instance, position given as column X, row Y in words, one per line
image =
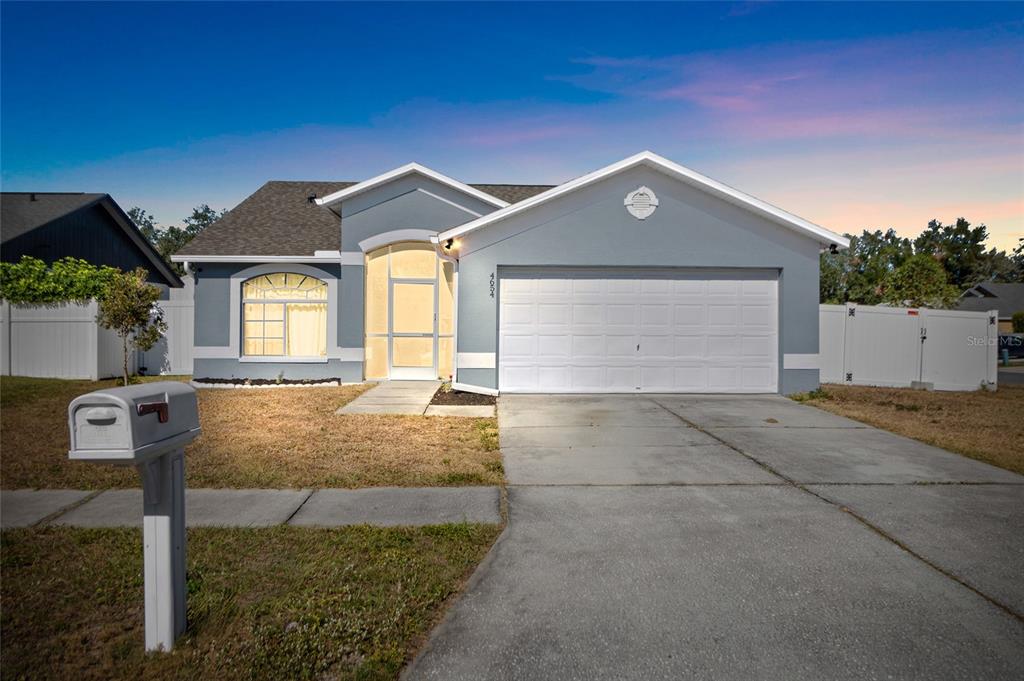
column 899, row 347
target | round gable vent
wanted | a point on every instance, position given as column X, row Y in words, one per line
column 641, row 203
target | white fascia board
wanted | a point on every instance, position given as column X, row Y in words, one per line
column 409, row 169
column 663, row 165
column 319, row 256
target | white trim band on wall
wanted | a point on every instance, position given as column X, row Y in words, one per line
column 349, row 354
column 353, row 258
column 808, row 361
column 476, row 360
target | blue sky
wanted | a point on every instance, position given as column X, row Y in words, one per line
column 853, row 115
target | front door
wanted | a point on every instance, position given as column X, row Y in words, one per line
column 412, row 354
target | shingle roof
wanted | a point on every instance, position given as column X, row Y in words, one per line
column 22, row 212
column 988, row 295
column 279, row 219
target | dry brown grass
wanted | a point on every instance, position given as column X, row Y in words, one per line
column 287, row 437
column 988, row 426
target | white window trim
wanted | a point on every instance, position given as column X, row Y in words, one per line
column 285, row 302
column 235, row 331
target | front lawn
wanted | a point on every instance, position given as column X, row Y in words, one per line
column 275, row 603
column 988, row 426
column 273, row 438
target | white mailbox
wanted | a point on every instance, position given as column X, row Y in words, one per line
column 147, row 426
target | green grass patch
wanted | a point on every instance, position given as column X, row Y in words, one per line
column 488, row 430
column 284, row 602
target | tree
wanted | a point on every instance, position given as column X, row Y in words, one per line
column 921, row 281
column 169, row 240
column 960, row 248
column 856, row 274
column 128, row 307
column 1018, row 322
column 68, row 280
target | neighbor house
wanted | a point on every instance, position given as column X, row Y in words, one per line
column 990, row 295
column 92, row 227
column 643, row 276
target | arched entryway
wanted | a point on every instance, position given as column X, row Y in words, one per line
column 410, row 320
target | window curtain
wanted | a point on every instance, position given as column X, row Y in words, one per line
column 307, row 330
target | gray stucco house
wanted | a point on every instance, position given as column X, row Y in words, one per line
column 641, row 276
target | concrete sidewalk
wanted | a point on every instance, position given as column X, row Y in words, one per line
column 382, row 506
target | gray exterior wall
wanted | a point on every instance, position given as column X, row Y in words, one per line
column 212, row 326
column 403, row 204
column 590, row 227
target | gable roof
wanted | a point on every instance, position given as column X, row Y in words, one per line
column 674, row 170
column 988, row 295
column 23, row 212
column 278, row 219
column 409, row 169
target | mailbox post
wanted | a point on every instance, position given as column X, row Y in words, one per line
column 147, row 426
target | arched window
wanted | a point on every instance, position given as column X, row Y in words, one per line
column 284, row 315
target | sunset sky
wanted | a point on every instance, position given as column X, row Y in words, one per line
column 851, row 115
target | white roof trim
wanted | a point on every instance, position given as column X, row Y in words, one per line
column 409, row 169
column 320, row 256
column 671, row 169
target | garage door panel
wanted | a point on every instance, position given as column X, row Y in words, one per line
column 757, row 376
column 588, row 314
column 689, row 315
column 756, row 346
column 554, row 313
column 723, row 347
column 655, row 315
column 554, row 346
column 621, row 347
column 520, row 347
column 620, row 315
column 554, row 286
column 621, row 287
column 588, row 348
column 758, row 315
column 657, row 346
column 690, row 347
column 629, row 332
column 516, row 314
column 553, row 378
column 723, row 315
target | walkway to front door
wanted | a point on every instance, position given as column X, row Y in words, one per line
column 394, row 397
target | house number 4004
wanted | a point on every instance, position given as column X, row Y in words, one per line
column 492, row 284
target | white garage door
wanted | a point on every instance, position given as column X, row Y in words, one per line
column 604, row 330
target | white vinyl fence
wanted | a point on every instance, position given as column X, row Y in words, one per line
column 900, row 347
column 65, row 341
column 173, row 353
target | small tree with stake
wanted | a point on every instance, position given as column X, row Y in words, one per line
column 128, row 307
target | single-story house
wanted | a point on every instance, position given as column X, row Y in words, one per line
column 92, row 227
column 641, row 276
column 990, row 295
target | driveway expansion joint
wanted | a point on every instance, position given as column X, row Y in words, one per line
column 864, row 521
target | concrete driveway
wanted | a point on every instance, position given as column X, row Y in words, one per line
column 665, row 537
